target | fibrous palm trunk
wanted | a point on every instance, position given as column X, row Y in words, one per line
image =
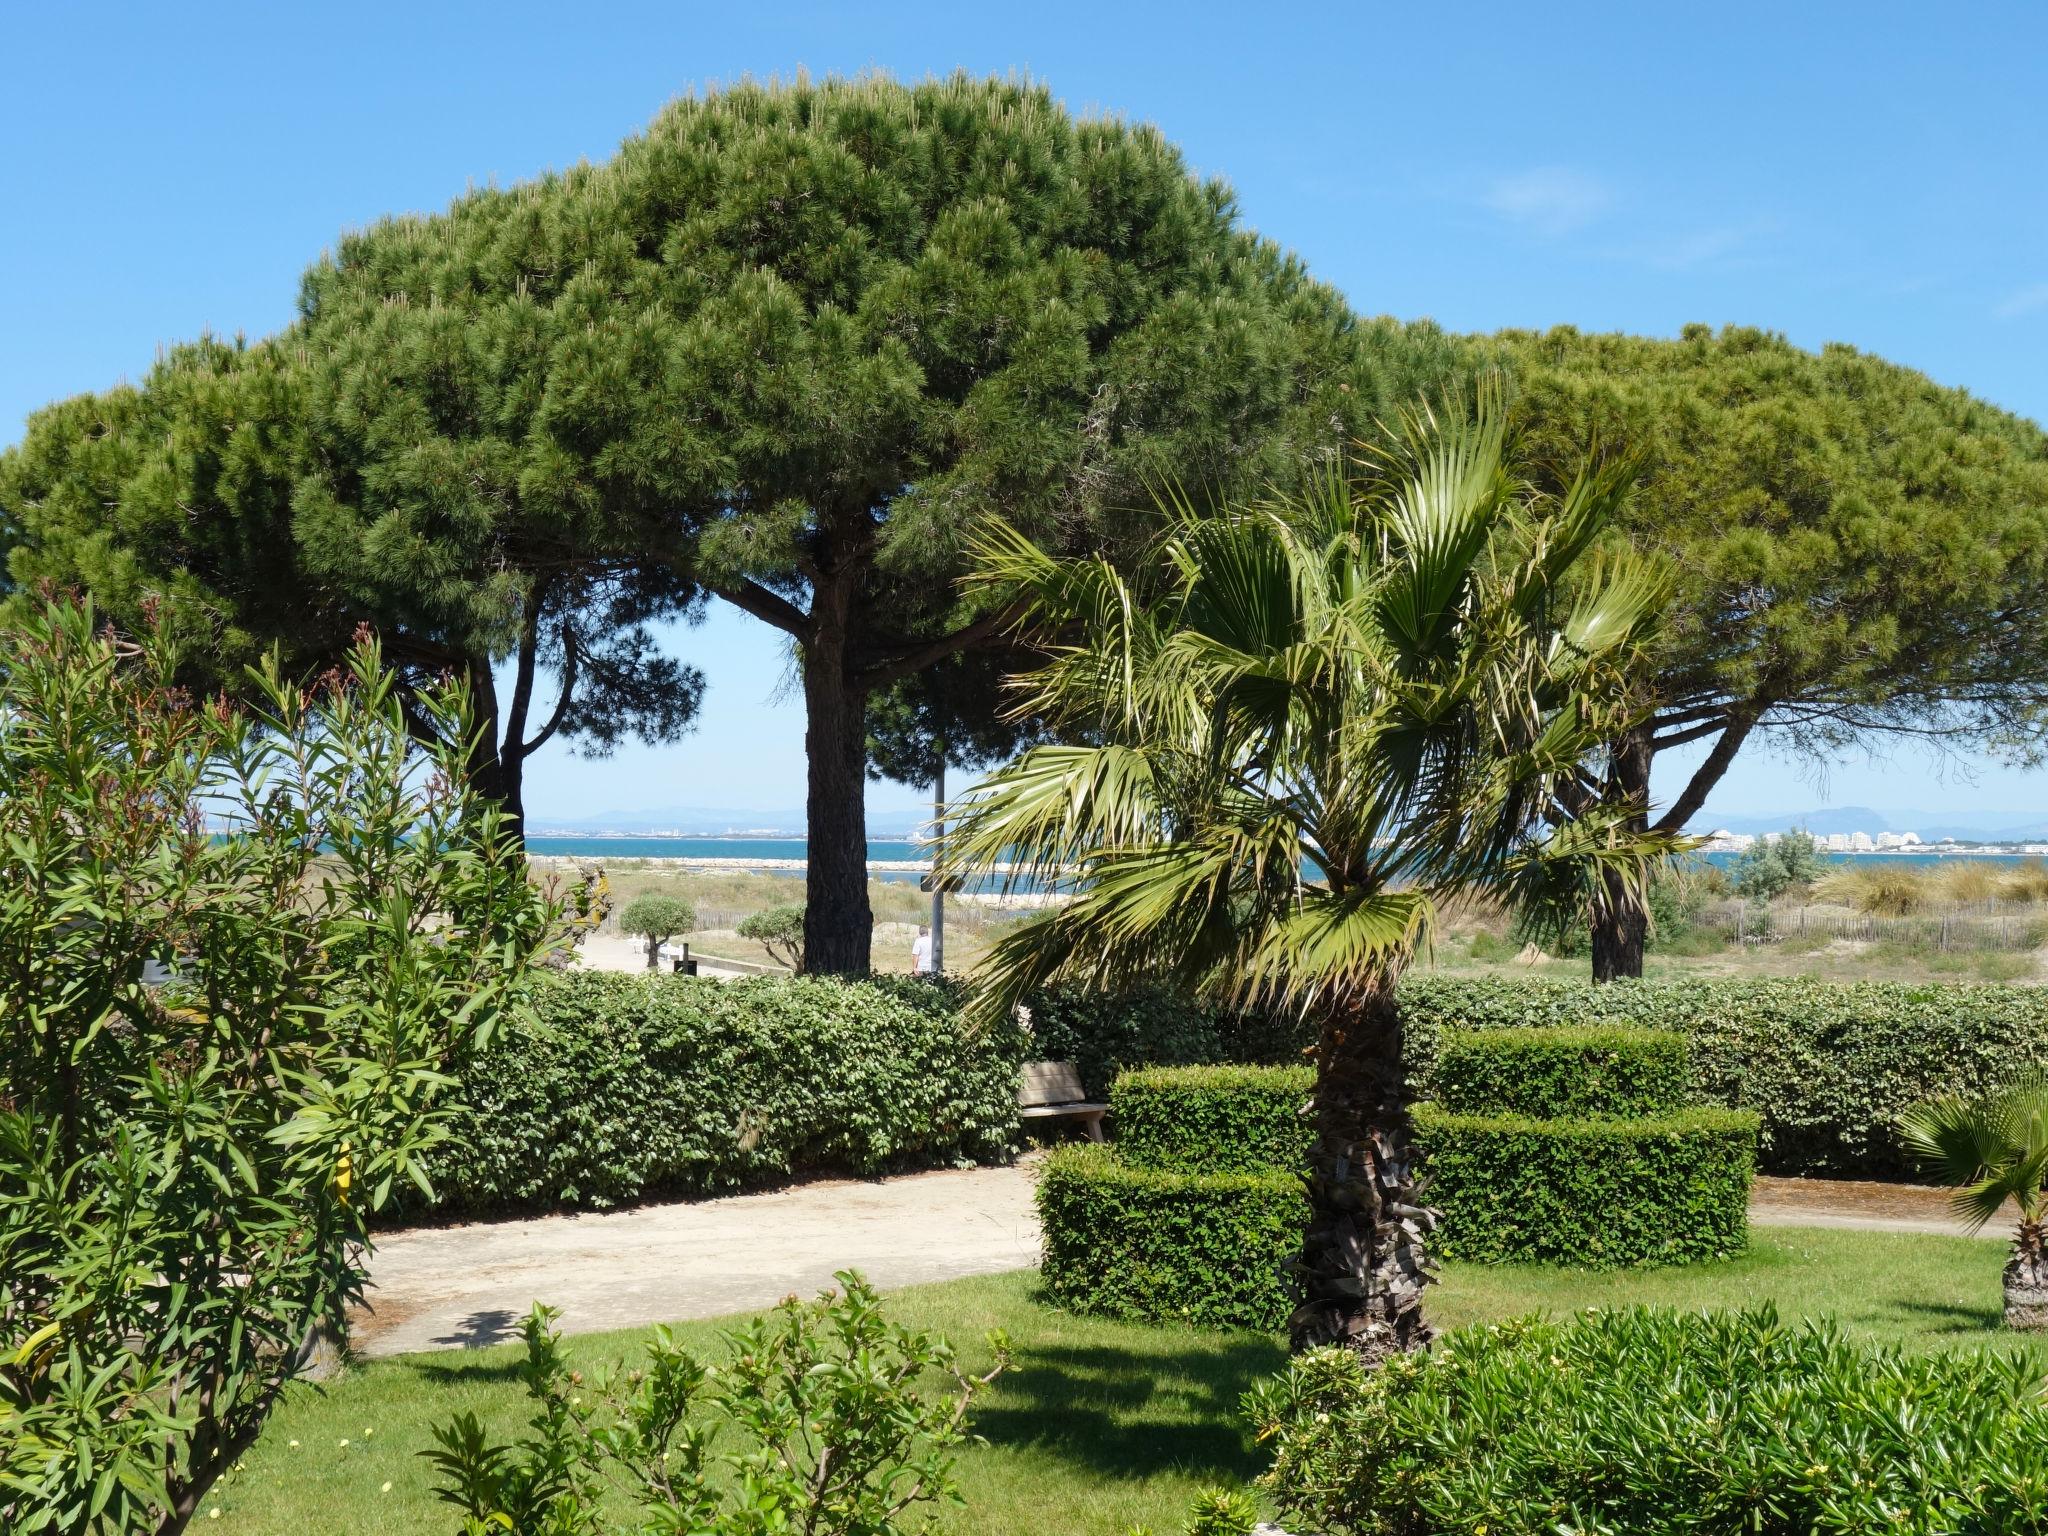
column 2026, row 1278
column 1363, row 1261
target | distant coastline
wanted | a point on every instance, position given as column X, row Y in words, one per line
column 907, row 859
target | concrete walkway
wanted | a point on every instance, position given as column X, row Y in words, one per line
column 463, row 1286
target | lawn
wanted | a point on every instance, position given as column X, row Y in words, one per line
column 1099, row 1425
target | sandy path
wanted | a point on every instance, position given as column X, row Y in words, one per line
column 446, row 1287
column 443, row 1287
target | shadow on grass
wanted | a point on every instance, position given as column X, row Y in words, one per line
column 1954, row 1317
column 1131, row 1413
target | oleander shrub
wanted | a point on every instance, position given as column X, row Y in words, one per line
column 1662, row 1189
column 1658, row 1421
column 1213, row 1119
column 1104, row 1034
column 1147, row 1244
column 1555, row 1072
column 1828, row 1067
column 625, row 1087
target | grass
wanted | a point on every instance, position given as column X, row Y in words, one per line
column 1099, row 1425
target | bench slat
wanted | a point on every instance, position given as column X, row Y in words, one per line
column 1050, row 1082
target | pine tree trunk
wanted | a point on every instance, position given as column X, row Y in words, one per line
column 838, row 923
column 2026, row 1280
column 1621, row 918
column 502, row 779
column 1363, row 1264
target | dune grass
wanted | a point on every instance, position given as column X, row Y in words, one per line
column 1099, row 1425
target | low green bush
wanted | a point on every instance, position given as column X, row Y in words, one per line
column 1213, row 1119
column 1600, row 1070
column 625, row 1087
column 1829, row 1067
column 1651, row 1420
column 1103, row 1034
column 1144, row 1244
column 1665, row 1189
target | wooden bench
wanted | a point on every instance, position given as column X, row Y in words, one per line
column 1051, row 1090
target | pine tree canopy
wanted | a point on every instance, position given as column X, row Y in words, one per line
column 1861, row 554
column 791, row 346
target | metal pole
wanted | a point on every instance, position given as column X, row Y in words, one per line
column 938, row 885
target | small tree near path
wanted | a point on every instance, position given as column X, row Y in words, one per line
column 779, row 930
column 657, row 916
column 242, row 950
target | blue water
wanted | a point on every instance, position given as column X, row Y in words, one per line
column 763, row 848
column 895, row 850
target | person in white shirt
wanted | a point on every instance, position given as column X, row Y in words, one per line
column 921, row 951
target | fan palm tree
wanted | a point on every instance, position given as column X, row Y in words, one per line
column 1995, row 1150
column 1307, row 723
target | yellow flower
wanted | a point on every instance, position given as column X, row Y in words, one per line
column 385, row 1489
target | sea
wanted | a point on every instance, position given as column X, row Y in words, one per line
column 780, row 854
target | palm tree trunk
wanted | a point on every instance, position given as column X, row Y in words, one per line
column 1362, row 1266
column 2026, row 1279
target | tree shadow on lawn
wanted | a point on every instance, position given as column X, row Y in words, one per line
column 1955, row 1317
column 1129, row 1413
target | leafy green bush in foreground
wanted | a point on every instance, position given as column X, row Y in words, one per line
column 829, row 1400
column 1657, row 1421
column 188, row 1160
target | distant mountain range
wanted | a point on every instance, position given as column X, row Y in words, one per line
column 1971, row 826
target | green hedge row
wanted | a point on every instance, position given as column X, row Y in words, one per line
column 626, row 1087
column 1213, row 1119
column 1103, row 1035
column 1639, row 1421
column 1665, row 1189
column 1143, row 1244
column 1603, row 1070
column 1829, row 1067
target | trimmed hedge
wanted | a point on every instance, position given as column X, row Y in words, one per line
column 1213, row 1119
column 1829, row 1067
column 1548, row 1074
column 1666, row 1189
column 625, row 1087
column 1142, row 1244
column 1104, row 1035
column 1644, row 1420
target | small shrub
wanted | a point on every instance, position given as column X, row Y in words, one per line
column 657, row 916
column 1548, row 1073
column 1487, row 947
column 1647, row 1420
column 779, row 930
column 1668, row 1189
column 1144, row 1244
column 841, row 1435
column 1213, row 1119
column 1767, row 870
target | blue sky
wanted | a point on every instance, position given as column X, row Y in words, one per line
column 1866, row 173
